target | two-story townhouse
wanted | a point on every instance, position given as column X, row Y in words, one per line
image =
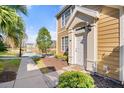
column 62, row 33
column 94, row 36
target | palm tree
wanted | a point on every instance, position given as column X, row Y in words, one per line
column 8, row 18
column 19, row 9
column 11, row 24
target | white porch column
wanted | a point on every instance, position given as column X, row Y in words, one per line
column 122, row 45
column 95, row 46
column 92, row 49
column 71, row 47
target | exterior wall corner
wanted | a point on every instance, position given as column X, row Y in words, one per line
column 121, row 44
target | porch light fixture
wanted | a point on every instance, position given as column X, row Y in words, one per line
column 88, row 27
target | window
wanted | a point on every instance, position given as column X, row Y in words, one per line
column 64, row 43
column 66, row 15
column 63, row 18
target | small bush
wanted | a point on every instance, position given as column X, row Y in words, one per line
column 62, row 57
column 52, row 52
column 36, row 58
column 66, row 55
column 75, row 79
column 59, row 56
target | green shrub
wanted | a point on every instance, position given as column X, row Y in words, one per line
column 75, row 79
column 36, row 58
column 52, row 52
column 62, row 57
column 65, row 58
column 59, row 56
column 66, row 55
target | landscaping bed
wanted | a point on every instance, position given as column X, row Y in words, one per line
column 8, row 69
column 102, row 82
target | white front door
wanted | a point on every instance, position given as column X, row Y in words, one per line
column 79, row 50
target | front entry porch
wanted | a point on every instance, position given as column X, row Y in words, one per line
column 83, row 41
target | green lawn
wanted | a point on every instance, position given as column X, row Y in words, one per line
column 7, row 54
column 9, row 65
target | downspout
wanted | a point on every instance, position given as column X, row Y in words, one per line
column 85, row 48
column 87, row 29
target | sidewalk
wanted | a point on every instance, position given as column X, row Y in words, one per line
column 28, row 76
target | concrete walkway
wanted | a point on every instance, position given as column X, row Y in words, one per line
column 28, row 76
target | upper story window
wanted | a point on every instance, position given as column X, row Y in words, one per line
column 66, row 15
column 63, row 18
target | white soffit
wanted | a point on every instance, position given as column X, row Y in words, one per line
column 82, row 10
column 76, row 20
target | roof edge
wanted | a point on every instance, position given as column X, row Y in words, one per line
column 62, row 10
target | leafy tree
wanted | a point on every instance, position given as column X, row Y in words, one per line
column 43, row 39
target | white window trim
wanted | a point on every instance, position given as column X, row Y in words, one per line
column 61, row 45
column 62, row 26
column 64, row 43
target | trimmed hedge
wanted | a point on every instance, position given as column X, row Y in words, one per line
column 75, row 79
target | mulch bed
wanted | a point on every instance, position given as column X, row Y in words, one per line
column 47, row 69
column 102, row 82
column 7, row 76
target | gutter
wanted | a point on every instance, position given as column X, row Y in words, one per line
column 62, row 10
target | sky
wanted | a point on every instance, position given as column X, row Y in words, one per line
column 41, row 16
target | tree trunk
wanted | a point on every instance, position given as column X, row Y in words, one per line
column 20, row 49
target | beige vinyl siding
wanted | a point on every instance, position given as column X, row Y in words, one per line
column 62, row 32
column 108, row 42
